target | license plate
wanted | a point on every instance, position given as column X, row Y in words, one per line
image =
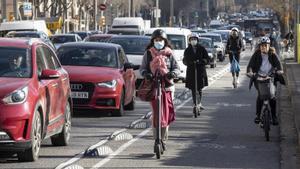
column 80, row 95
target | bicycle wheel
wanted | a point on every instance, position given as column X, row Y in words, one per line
column 266, row 122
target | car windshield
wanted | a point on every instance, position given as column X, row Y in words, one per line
column 177, row 41
column 88, row 56
column 135, row 46
column 224, row 35
column 62, row 39
column 30, row 35
column 214, row 38
column 15, row 62
column 248, row 34
column 205, row 43
column 97, row 39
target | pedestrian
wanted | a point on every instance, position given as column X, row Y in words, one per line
column 263, row 62
column 159, row 57
column 289, row 40
column 233, row 48
column 196, row 57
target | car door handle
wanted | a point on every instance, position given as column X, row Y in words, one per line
column 55, row 85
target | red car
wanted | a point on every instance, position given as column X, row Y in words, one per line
column 35, row 101
column 100, row 75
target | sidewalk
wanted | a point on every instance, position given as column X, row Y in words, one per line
column 289, row 114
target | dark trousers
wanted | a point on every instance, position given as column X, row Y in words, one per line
column 259, row 104
column 237, row 58
column 199, row 97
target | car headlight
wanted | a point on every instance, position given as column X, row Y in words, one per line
column 109, row 84
column 17, row 96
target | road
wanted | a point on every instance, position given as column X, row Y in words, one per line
column 224, row 136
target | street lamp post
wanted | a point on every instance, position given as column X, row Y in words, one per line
column 95, row 13
column 156, row 13
column 171, row 12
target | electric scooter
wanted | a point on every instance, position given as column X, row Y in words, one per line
column 158, row 146
column 196, row 109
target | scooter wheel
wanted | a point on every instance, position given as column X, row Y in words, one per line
column 158, row 151
column 195, row 111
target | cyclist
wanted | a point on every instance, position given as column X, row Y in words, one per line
column 159, row 56
column 195, row 53
column 233, row 48
column 273, row 40
column 263, row 62
column 290, row 39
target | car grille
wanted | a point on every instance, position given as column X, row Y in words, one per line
column 82, row 87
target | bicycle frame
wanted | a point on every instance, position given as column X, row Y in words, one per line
column 265, row 115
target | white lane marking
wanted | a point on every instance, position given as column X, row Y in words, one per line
column 126, row 145
column 218, row 75
column 119, row 150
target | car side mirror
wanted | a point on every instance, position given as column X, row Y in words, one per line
column 129, row 65
column 49, row 74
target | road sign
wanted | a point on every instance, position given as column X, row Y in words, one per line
column 27, row 9
column 102, row 7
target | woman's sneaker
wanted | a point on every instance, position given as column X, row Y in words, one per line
column 256, row 120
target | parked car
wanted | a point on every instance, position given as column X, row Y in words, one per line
column 134, row 47
column 60, row 39
column 35, row 98
column 218, row 44
column 99, row 38
column 31, row 34
column 100, row 75
column 208, row 44
column 82, row 34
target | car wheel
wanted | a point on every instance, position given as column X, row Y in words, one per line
column 131, row 105
column 120, row 112
column 32, row 153
column 63, row 138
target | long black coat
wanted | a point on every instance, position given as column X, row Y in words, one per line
column 189, row 58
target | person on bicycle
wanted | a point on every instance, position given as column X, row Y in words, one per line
column 159, row 57
column 289, row 39
column 195, row 54
column 274, row 40
column 264, row 61
column 233, row 48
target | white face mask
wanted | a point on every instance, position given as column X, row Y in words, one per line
column 159, row 44
column 194, row 42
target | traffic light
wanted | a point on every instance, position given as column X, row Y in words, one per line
column 102, row 21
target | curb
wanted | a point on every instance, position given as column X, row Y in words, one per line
column 289, row 153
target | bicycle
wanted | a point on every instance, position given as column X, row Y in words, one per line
column 266, row 91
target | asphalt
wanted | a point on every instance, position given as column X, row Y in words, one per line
column 288, row 108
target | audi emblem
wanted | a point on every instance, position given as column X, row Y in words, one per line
column 76, row 86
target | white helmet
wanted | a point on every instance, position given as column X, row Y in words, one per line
column 234, row 29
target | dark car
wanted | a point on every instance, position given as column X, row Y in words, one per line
column 248, row 37
column 82, row 34
column 208, row 44
column 99, row 38
column 35, row 98
column 60, row 39
column 134, row 47
column 100, row 76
